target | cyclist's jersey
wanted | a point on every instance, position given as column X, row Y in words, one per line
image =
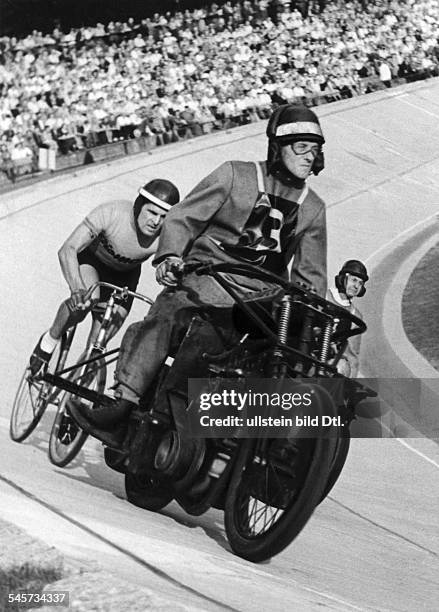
column 115, row 239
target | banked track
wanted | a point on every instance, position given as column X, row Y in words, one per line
column 374, row 544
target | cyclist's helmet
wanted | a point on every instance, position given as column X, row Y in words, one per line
column 161, row 192
column 356, row 268
column 290, row 123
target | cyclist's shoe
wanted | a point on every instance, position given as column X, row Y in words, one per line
column 39, row 361
column 106, row 423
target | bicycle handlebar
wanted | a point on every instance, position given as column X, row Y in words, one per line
column 123, row 291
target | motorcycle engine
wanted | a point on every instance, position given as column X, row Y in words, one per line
column 179, row 458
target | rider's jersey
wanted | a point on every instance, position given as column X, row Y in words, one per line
column 115, row 239
column 239, row 214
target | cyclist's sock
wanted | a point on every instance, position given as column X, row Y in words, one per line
column 40, row 358
column 47, row 343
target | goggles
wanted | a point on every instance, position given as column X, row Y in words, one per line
column 302, row 148
column 354, row 277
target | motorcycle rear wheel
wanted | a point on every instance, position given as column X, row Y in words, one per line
column 147, row 492
column 257, row 529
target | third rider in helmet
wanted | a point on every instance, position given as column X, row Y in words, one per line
column 261, row 213
column 349, row 284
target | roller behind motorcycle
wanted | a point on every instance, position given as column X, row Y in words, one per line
column 267, row 487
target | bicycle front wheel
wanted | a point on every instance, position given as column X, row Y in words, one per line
column 66, row 437
column 31, row 401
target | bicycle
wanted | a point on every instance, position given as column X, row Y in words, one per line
column 36, row 393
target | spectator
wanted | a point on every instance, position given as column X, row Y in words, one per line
column 6, row 162
column 385, row 73
column 212, row 67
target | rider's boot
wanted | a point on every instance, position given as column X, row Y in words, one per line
column 39, row 359
column 107, row 417
column 106, row 423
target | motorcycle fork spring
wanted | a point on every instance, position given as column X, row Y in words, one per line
column 326, row 342
column 283, row 325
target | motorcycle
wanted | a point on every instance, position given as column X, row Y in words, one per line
column 267, row 487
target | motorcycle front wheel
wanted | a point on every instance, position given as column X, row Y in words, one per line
column 337, row 465
column 269, row 502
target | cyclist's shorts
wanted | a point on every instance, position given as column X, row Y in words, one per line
column 121, row 278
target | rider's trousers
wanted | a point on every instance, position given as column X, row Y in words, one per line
column 146, row 344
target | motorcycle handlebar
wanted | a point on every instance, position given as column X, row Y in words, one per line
column 182, row 269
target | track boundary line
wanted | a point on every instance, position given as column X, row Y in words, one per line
column 216, row 146
column 417, row 452
column 120, row 174
column 412, row 448
column 155, row 570
column 387, row 247
column 408, row 230
column 386, row 529
column 160, row 573
column 326, row 111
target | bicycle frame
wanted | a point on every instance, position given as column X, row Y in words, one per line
column 96, row 350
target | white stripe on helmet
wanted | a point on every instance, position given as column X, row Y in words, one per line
column 299, row 127
column 154, row 199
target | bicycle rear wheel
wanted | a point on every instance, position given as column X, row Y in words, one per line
column 31, row 400
column 66, row 437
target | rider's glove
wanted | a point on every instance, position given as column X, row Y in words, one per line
column 169, row 271
column 76, row 300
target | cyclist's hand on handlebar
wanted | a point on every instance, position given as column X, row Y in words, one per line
column 76, row 300
column 169, row 271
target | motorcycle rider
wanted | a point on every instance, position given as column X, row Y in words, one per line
column 262, row 213
column 350, row 283
column 109, row 245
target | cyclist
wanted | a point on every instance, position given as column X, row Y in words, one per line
column 109, row 245
column 350, row 283
column 262, row 213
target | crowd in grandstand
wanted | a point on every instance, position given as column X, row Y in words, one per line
column 178, row 75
